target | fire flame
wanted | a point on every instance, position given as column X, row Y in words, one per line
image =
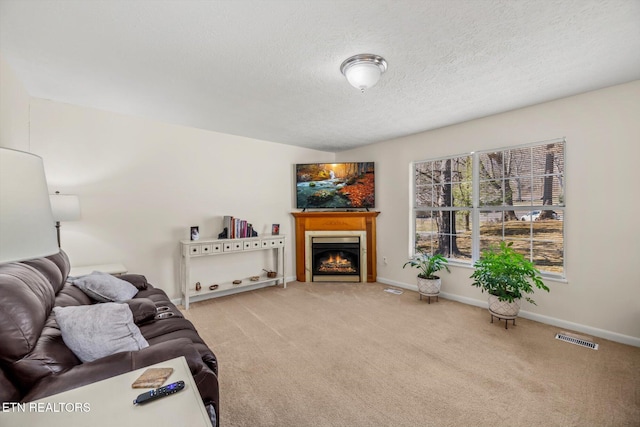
column 335, row 263
column 338, row 260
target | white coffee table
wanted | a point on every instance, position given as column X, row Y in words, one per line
column 110, row 403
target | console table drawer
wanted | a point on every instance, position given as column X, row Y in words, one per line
column 232, row 246
column 273, row 243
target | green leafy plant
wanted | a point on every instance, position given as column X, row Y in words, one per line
column 428, row 264
column 506, row 274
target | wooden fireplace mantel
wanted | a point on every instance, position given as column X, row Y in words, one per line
column 338, row 221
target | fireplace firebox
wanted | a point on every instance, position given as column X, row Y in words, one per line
column 335, row 259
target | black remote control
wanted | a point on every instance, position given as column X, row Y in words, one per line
column 159, row 392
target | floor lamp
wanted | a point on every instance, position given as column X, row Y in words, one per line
column 65, row 207
column 25, row 210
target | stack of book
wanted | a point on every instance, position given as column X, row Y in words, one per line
column 238, row 228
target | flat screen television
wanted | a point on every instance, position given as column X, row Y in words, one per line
column 335, row 185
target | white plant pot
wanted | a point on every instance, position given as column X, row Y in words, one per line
column 504, row 309
column 429, row 287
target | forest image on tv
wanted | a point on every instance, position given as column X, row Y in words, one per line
column 335, row 185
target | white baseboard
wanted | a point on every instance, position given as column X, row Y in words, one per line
column 589, row 330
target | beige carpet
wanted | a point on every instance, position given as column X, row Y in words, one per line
column 336, row 354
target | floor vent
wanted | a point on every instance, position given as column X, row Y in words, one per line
column 582, row 342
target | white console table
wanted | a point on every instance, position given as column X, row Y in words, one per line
column 217, row 247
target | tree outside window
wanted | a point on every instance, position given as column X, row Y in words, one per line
column 514, row 194
column 443, row 207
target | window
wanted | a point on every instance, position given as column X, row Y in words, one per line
column 443, row 207
column 464, row 204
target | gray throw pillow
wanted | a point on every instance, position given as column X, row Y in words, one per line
column 104, row 287
column 95, row 331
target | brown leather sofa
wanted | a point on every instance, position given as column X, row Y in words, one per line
column 34, row 360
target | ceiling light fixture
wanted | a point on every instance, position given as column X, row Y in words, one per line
column 363, row 71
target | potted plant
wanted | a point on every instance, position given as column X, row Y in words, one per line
column 428, row 283
column 507, row 276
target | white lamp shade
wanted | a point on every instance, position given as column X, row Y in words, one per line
column 65, row 207
column 363, row 75
column 26, row 221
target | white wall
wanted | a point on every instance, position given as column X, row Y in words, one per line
column 143, row 183
column 602, row 235
column 14, row 110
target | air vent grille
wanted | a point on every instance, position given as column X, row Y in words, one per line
column 577, row 341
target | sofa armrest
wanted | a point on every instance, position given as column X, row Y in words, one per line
column 8, row 391
column 116, row 364
column 143, row 310
column 137, row 280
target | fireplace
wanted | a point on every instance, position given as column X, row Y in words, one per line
column 358, row 224
column 331, row 256
column 335, row 259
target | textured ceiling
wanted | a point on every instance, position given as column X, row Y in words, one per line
column 269, row 69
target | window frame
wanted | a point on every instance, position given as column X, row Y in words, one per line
column 476, row 209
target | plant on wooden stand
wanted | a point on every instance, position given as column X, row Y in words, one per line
column 428, row 283
column 506, row 275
